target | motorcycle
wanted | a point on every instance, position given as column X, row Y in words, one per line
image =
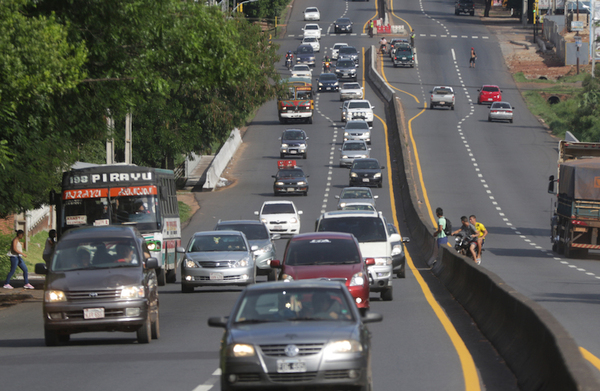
column 462, row 245
column 383, row 49
column 288, row 62
column 326, row 67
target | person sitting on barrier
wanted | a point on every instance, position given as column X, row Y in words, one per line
column 481, row 238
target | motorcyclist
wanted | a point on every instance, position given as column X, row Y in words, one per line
column 383, row 45
column 326, row 63
column 468, row 231
column 289, row 57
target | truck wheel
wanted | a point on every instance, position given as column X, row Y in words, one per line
column 171, row 276
column 155, row 327
column 472, row 13
column 144, row 333
column 452, row 108
column 387, row 295
column 431, row 107
column 160, row 277
column 309, row 121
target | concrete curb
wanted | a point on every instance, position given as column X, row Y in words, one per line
column 535, row 346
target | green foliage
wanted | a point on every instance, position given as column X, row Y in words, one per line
column 265, row 9
column 4, row 259
column 185, row 212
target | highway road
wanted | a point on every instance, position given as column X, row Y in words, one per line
column 426, row 340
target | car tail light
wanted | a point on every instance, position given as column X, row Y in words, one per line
column 494, row 111
column 509, row 111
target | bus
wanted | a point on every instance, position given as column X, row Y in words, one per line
column 124, row 194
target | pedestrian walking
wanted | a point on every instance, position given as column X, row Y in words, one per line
column 440, row 233
column 16, row 255
column 49, row 247
column 473, row 58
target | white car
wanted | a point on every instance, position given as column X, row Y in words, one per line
column 351, row 91
column 312, row 13
column 359, row 109
column 301, row 70
column 501, row 111
column 335, row 49
column 312, row 30
column 312, row 42
column 280, row 217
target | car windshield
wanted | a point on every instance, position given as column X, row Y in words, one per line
column 290, row 135
column 365, row 229
column 297, row 304
column 343, row 21
column 490, row 89
column 442, row 91
column 272, row 209
column 305, row 49
column 362, row 125
column 358, row 207
column 359, row 105
column 95, row 254
column 310, row 40
column 345, row 64
column 213, row 243
column 354, row 147
column 356, row 193
column 290, row 174
column 500, row 105
column 348, row 50
column 366, row 165
column 339, row 45
column 322, row 252
column 351, row 86
column 328, row 77
column 252, row 231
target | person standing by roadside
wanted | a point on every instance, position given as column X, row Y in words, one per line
column 371, row 28
column 49, row 248
column 439, row 234
column 482, row 234
column 16, row 255
column 412, row 38
column 473, row 58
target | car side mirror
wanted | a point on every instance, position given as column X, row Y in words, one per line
column 220, row 321
column 383, row 167
column 180, row 250
column 151, row 263
column 300, row 212
column 395, row 238
column 376, row 196
column 478, row 90
column 275, row 236
column 254, row 248
column 273, row 176
column 337, row 197
column 275, row 264
column 308, row 176
column 255, row 213
column 41, row 268
column 405, row 239
column 369, row 149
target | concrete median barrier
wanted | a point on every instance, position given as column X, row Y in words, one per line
column 537, row 348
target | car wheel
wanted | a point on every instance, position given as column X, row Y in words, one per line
column 281, row 120
column 224, row 385
column 144, row 333
column 455, row 12
column 186, row 288
column 379, row 185
column 309, row 121
column 160, row 277
column 489, row 119
column 51, row 337
column 431, row 107
column 155, row 327
column 171, row 276
column 510, row 120
column 452, row 108
column 272, row 276
column 305, row 155
column 472, row 13
column 402, row 272
column 281, row 155
column 305, row 193
column 387, row 295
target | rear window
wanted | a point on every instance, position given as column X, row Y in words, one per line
column 491, row 89
column 443, row 91
column 365, row 229
column 252, row 231
column 305, row 49
column 348, row 50
column 501, row 106
column 322, row 252
column 271, row 209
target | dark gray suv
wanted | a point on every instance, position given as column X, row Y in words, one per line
column 100, row 279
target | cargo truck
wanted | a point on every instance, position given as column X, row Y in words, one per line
column 575, row 222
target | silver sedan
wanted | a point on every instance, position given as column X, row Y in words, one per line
column 501, row 111
column 351, row 91
column 353, row 149
column 283, row 333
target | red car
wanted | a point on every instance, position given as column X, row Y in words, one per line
column 329, row 255
column 489, row 94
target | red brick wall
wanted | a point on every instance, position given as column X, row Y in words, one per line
column 7, row 226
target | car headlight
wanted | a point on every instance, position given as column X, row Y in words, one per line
column 346, row 134
column 345, row 346
column 263, row 250
column 343, row 204
column 377, row 175
column 132, row 292
column 293, row 220
column 301, row 183
column 344, row 156
column 241, row 350
column 263, row 220
column 396, row 249
column 284, row 145
column 189, row 263
column 353, row 174
column 54, row 296
column 321, row 84
column 383, row 261
column 242, row 263
column 279, row 183
column 336, row 26
column 336, row 84
column 287, row 277
column 302, row 145
column 358, row 279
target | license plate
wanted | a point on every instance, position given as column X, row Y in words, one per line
column 216, row 276
column 93, row 313
column 404, row 58
column 278, row 227
column 365, row 179
column 291, row 189
column 290, row 366
column 328, row 88
column 442, row 103
column 293, row 152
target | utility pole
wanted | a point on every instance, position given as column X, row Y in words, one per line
column 128, row 137
column 110, row 141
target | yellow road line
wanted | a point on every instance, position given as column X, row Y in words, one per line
column 374, row 16
column 388, row 83
column 467, row 364
column 595, row 361
column 392, row 10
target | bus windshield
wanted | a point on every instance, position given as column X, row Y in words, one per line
column 142, row 211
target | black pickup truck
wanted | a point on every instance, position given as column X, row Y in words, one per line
column 464, row 6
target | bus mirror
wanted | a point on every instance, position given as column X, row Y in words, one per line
column 551, row 184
